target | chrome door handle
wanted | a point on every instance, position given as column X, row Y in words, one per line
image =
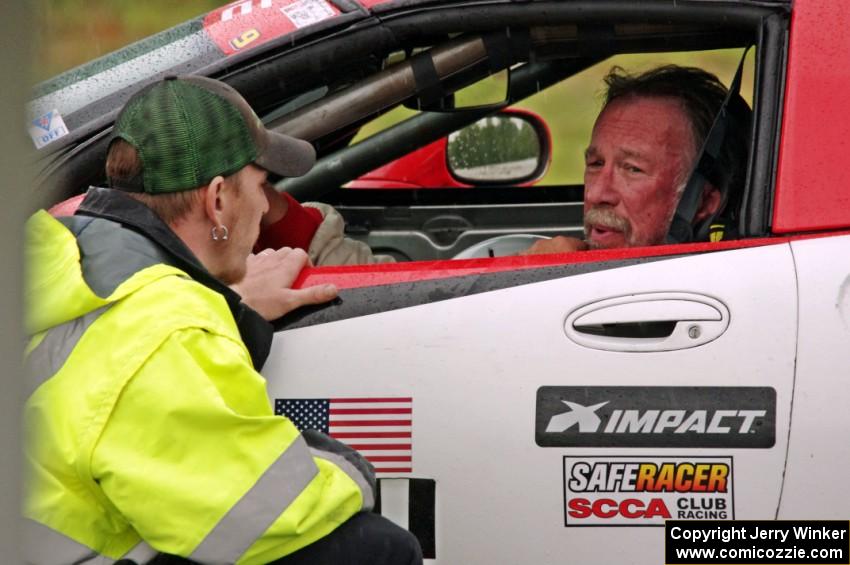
column 656, row 321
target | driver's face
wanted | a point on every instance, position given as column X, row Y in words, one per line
column 640, row 152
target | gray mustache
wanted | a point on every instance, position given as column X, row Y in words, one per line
column 605, row 216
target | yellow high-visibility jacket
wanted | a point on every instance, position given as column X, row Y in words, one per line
column 147, row 427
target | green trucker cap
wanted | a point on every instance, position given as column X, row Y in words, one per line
column 190, row 129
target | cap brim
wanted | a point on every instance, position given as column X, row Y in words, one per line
column 287, row 156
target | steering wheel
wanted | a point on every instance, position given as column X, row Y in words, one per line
column 500, row 246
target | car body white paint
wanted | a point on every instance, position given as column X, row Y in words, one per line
column 473, row 365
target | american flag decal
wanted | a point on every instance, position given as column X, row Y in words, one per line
column 379, row 428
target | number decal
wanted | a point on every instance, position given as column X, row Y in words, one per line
column 245, row 39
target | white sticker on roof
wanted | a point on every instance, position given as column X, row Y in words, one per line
column 308, row 12
column 47, row 128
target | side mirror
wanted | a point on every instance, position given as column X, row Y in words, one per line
column 511, row 147
column 454, row 161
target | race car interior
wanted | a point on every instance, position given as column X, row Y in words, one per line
column 413, row 220
column 373, row 97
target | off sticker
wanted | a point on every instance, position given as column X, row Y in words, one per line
column 243, row 25
column 646, row 491
column 47, row 129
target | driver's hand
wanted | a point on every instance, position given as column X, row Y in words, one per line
column 557, row 244
column 267, row 284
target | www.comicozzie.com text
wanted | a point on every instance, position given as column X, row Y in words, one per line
column 757, row 533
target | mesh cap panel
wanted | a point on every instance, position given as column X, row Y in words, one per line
column 188, row 130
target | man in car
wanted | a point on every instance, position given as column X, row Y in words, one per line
column 644, row 145
column 314, row 227
column 149, row 429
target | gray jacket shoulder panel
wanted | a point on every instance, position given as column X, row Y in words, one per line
column 110, row 253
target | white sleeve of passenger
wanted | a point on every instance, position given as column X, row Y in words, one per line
column 330, row 246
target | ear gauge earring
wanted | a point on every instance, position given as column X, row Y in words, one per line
column 215, row 234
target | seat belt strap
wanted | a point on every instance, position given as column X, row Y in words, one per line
column 706, row 168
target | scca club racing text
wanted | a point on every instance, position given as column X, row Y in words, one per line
column 622, row 478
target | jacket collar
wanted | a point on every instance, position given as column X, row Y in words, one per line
column 115, row 205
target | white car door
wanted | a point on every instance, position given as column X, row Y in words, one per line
column 819, row 449
column 545, row 425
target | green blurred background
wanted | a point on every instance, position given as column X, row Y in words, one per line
column 72, row 32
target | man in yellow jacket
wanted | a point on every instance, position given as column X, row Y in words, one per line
column 149, row 429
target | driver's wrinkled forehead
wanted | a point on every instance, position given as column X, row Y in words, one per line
column 647, row 119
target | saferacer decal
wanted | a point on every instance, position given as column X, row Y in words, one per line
column 597, row 416
column 646, row 491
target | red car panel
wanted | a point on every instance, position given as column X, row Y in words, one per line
column 424, row 168
column 357, row 276
column 813, row 179
column 247, row 24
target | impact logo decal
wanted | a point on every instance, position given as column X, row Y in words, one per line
column 645, row 491
column 250, row 23
column 584, row 416
column 47, row 129
column 741, row 417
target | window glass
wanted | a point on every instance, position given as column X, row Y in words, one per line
column 570, row 107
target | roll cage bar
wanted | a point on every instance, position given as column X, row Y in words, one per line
column 565, row 38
